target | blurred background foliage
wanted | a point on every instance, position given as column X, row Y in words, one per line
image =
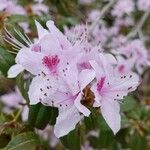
column 17, row 135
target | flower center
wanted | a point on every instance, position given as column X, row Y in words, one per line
column 51, row 62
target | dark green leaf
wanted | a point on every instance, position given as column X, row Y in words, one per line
column 128, row 104
column 138, row 142
column 23, row 85
column 40, row 115
column 6, row 61
column 72, row 141
column 24, row 141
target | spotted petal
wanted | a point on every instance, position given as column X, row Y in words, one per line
column 66, row 121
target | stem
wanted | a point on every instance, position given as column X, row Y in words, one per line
column 139, row 25
column 102, row 13
column 17, row 115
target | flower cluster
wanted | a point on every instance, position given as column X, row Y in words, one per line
column 73, row 74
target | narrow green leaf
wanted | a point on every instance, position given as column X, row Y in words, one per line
column 24, row 141
column 23, row 86
column 6, row 61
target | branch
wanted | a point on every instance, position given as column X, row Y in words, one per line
column 139, row 25
column 104, row 10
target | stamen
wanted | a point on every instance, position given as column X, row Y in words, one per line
column 23, row 37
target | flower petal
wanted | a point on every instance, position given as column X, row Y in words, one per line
column 65, row 44
column 85, row 77
column 30, row 60
column 81, row 107
column 41, row 31
column 41, row 89
column 15, row 70
column 66, row 121
column 110, row 111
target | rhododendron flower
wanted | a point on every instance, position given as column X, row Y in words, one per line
column 15, row 100
column 136, row 50
column 64, row 67
column 16, row 69
column 67, row 98
column 39, row 9
column 48, row 135
column 109, row 89
column 11, row 7
column 123, row 7
column 143, row 5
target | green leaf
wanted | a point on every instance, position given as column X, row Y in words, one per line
column 24, row 141
column 33, row 112
column 45, row 115
column 40, row 115
column 95, row 120
column 128, row 104
column 138, row 142
column 72, row 141
column 6, row 61
column 23, row 85
column 17, row 18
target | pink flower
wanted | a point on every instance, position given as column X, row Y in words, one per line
column 143, row 5
column 123, row 7
column 39, row 9
column 63, row 68
column 136, row 50
column 67, row 97
column 35, row 47
column 12, row 99
column 11, row 7
column 48, row 135
column 109, row 89
column 15, row 100
column 93, row 15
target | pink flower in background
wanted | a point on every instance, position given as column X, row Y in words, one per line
column 123, row 7
column 11, row 7
column 109, row 89
column 136, row 50
column 143, row 5
column 48, row 135
column 3, row 4
column 76, row 33
column 39, row 9
column 93, row 15
column 14, row 100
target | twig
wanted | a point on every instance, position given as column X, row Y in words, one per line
column 139, row 25
column 102, row 13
